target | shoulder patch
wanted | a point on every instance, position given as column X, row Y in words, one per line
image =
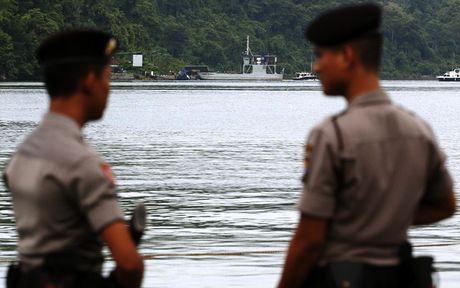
column 107, row 171
column 307, row 161
column 307, row 158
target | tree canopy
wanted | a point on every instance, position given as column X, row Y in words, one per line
column 420, row 37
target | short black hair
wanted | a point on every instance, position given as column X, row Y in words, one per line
column 68, row 56
column 369, row 50
column 61, row 80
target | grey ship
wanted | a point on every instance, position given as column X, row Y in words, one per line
column 254, row 67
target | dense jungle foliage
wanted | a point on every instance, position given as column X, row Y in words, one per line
column 420, row 36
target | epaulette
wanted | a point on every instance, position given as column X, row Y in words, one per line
column 404, row 109
column 337, row 130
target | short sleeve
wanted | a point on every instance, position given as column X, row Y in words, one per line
column 319, row 181
column 95, row 191
column 439, row 182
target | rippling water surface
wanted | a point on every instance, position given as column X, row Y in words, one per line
column 218, row 166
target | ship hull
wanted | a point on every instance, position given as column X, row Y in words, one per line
column 450, row 76
column 237, row 77
column 306, row 78
column 449, row 79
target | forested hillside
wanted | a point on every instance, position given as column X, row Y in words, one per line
column 420, row 36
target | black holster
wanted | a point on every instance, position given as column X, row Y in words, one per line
column 13, row 275
column 416, row 272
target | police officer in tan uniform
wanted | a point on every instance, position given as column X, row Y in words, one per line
column 370, row 172
column 63, row 192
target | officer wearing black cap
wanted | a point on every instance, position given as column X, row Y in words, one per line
column 370, row 171
column 63, row 193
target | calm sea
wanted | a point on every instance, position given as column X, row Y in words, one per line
column 218, row 166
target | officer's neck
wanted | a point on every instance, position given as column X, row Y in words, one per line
column 361, row 82
column 71, row 106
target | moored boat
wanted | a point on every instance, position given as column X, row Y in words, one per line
column 191, row 72
column 304, row 76
column 253, row 67
column 453, row 75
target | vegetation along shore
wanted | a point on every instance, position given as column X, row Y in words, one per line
column 421, row 37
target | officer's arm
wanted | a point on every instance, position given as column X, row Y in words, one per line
column 434, row 211
column 130, row 267
column 438, row 201
column 304, row 250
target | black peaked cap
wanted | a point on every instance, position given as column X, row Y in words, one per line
column 343, row 24
column 76, row 46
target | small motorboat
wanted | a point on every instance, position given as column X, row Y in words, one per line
column 304, row 76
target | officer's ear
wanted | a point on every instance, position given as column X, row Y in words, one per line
column 349, row 56
column 88, row 82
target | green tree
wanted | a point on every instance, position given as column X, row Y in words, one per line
column 420, row 37
column 7, row 63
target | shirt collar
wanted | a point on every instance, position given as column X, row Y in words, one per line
column 63, row 123
column 376, row 97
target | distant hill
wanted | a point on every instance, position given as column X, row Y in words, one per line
column 420, row 36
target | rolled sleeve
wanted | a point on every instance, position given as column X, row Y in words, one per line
column 319, row 182
column 96, row 194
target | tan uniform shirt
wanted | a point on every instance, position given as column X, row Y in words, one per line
column 63, row 195
column 370, row 188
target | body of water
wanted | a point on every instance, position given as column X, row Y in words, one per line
column 218, row 165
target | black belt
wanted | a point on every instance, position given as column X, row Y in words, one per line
column 355, row 275
column 42, row 277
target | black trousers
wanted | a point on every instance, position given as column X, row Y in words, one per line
column 371, row 277
column 40, row 278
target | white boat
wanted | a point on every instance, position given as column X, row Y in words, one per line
column 304, row 76
column 453, row 75
column 253, row 67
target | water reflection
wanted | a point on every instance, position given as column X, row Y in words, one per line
column 219, row 168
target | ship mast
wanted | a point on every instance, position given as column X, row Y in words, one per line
column 247, row 45
column 248, row 50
